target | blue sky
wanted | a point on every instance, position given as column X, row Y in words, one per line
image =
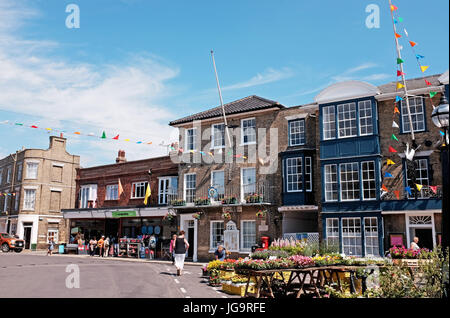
column 134, row 65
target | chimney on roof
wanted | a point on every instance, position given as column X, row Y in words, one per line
column 121, row 157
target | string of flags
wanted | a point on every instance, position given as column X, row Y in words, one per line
column 230, row 153
column 102, row 136
column 6, row 194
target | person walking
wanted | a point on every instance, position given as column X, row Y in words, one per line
column 101, row 245
column 181, row 246
column 92, row 245
column 414, row 244
column 172, row 248
column 106, row 247
column 51, row 247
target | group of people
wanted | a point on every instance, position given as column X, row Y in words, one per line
column 104, row 246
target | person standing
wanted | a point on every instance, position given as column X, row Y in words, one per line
column 101, row 245
column 92, row 245
column 106, row 246
column 181, row 246
column 51, row 246
column 172, row 248
column 414, row 244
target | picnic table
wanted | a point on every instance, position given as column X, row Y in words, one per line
column 300, row 280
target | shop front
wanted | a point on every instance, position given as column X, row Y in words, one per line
column 141, row 232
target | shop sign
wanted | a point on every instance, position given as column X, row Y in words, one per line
column 122, row 214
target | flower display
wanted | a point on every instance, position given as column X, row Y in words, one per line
column 226, row 215
column 261, row 213
column 331, row 259
column 266, row 254
column 229, row 200
column 169, row 216
column 214, row 265
column 253, row 198
column 259, row 264
column 301, row 261
column 197, row 215
column 398, row 252
column 227, row 264
column 178, row 202
column 202, row 201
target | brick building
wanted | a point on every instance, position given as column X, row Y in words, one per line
column 110, row 199
column 241, row 180
column 40, row 183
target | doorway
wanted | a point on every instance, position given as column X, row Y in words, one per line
column 111, row 227
column 190, row 238
column 27, row 236
column 425, row 238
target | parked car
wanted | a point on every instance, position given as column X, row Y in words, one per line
column 9, row 242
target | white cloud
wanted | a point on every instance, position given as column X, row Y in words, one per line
column 349, row 74
column 268, row 76
column 126, row 99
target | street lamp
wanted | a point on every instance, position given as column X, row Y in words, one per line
column 440, row 120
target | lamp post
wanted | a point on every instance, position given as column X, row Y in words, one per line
column 441, row 120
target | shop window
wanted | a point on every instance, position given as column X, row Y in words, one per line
column 216, row 234
column 52, row 234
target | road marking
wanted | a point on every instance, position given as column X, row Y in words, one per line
column 176, row 281
column 188, row 297
column 224, row 297
column 183, row 290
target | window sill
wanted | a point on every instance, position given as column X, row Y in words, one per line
column 247, row 144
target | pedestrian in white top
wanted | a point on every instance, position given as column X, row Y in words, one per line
column 414, row 246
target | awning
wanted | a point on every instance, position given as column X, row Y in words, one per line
column 115, row 213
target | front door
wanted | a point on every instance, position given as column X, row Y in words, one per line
column 191, row 242
column 27, row 237
column 425, row 238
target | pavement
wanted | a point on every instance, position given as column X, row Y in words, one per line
column 34, row 274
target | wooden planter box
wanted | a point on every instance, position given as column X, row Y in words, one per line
column 238, row 290
column 285, row 277
column 226, row 275
column 409, row 262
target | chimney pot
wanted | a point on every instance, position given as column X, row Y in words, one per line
column 121, row 157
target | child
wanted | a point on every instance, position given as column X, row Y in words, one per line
column 51, row 246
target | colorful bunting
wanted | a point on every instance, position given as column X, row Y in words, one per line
column 413, row 44
column 418, row 56
column 104, row 135
column 400, row 73
column 77, row 133
column 432, row 94
column 398, row 98
column 384, row 188
column 396, row 111
column 400, row 85
column 423, row 68
column 393, row 8
column 395, row 125
column 394, row 137
column 433, row 188
column 390, row 162
column 34, row 126
column 400, row 19
column 397, row 35
column 388, row 175
column 442, row 133
column 397, row 194
column 419, row 186
column 428, row 83
column 392, row 149
column 408, row 189
column 116, row 138
column 399, row 61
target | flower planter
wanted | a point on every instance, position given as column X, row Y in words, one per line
column 234, row 289
column 226, row 274
column 285, row 278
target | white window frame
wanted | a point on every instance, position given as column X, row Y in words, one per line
column 299, row 174
column 242, row 131
column 370, row 234
column 220, row 195
column 420, row 179
column 16, row 199
column 301, row 132
column 192, row 189
column 243, row 234
column 341, row 182
column 194, row 139
column 413, row 106
column 242, row 182
column 331, row 231
column 112, row 189
column 335, row 182
column 29, row 203
column 164, row 193
column 8, row 174
column 347, row 123
column 55, row 235
column 374, row 188
column 5, row 205
column 308, row 175
column 349, row 236
column 19, row 172
column 135, row 185
column 368, row 119
column 213, row 136
column 328, row 119
column 211, row 246
column 28, row 171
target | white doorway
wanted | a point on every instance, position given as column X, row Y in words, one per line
column 422, row 226
column 189, row 225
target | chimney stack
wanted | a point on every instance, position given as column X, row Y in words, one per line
column 121, row 157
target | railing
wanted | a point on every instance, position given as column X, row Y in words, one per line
column 426, row 192
column 261, row 192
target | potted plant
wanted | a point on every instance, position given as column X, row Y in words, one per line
column 202, row 201
column 169, row 216
column 229, row 200
column 178, row 202
column 197, row 215
column 226, row 215
column 261, row 214
column 253, row 198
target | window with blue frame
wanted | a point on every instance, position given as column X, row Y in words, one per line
column 351, row 236
column 372, row 243
column 298, row 174
column 346, row 120
column 332, row 232
column 417, row 111
column 417, row 172
column 297, row 132
column 330, row 181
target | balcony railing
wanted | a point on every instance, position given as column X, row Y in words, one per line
column 426, row 192
column 262, row 192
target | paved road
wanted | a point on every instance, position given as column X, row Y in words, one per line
column 31, row 275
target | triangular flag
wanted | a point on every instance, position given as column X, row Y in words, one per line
column 399, row 61
column 390, row 162
column 139, row 142
column 48, row 128
column 104, row 135
column 77, row 133
column 442, row 133
column 388, row 175
column 433, row 188
column 408, row 189
column 428, row 83
column 127, row 139
column 400, row 19
column 149, row 143
column 412, row 43
column 395, row 125
column 419, row 186
column 400, row 85
column 397, row 194
column 392, row 149
column 394, row 137
column 18, row 124
column 33, row 126
column 397, row 35
column 393, row 8
column 400, row 73
column 395, row 21
column 384, row 188
column 116, row 138
column 396, row 110
column 120, row 190
column 148, row 193
column 398, row 98
column 418, row 56
column 432, row 94
column 424, row 68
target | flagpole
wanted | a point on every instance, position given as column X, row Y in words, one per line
column 221, row 101
column 405, row 90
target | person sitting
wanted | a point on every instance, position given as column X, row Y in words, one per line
column 220, row 253
column 414, row 246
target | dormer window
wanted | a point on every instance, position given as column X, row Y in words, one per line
column 297, row 132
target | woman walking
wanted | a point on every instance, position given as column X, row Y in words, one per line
column 181, row 246
column 92, row 245
column 106, row 246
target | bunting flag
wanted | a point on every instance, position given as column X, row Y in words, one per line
column 397, row 35
column 399, row 61
column 393, row 137
column 433, row 188
column 395, row 125
column 418, row 56
column 419, row 186
column 33, row 126
column 116, row 138
column 104, row 135
column 442, row 133
column 384, row 188
column 390, row 162
column 398, row 98
column 396, row 111
column 388, row 175
column 392, row 149
column 408, row 189
column 424, row 68
column 397, row 194
column 428, row 83
column 400, row 85
column 413, row 44
column 77, row 133
column 432, row 94
column 400, row 73
column 393, row 8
